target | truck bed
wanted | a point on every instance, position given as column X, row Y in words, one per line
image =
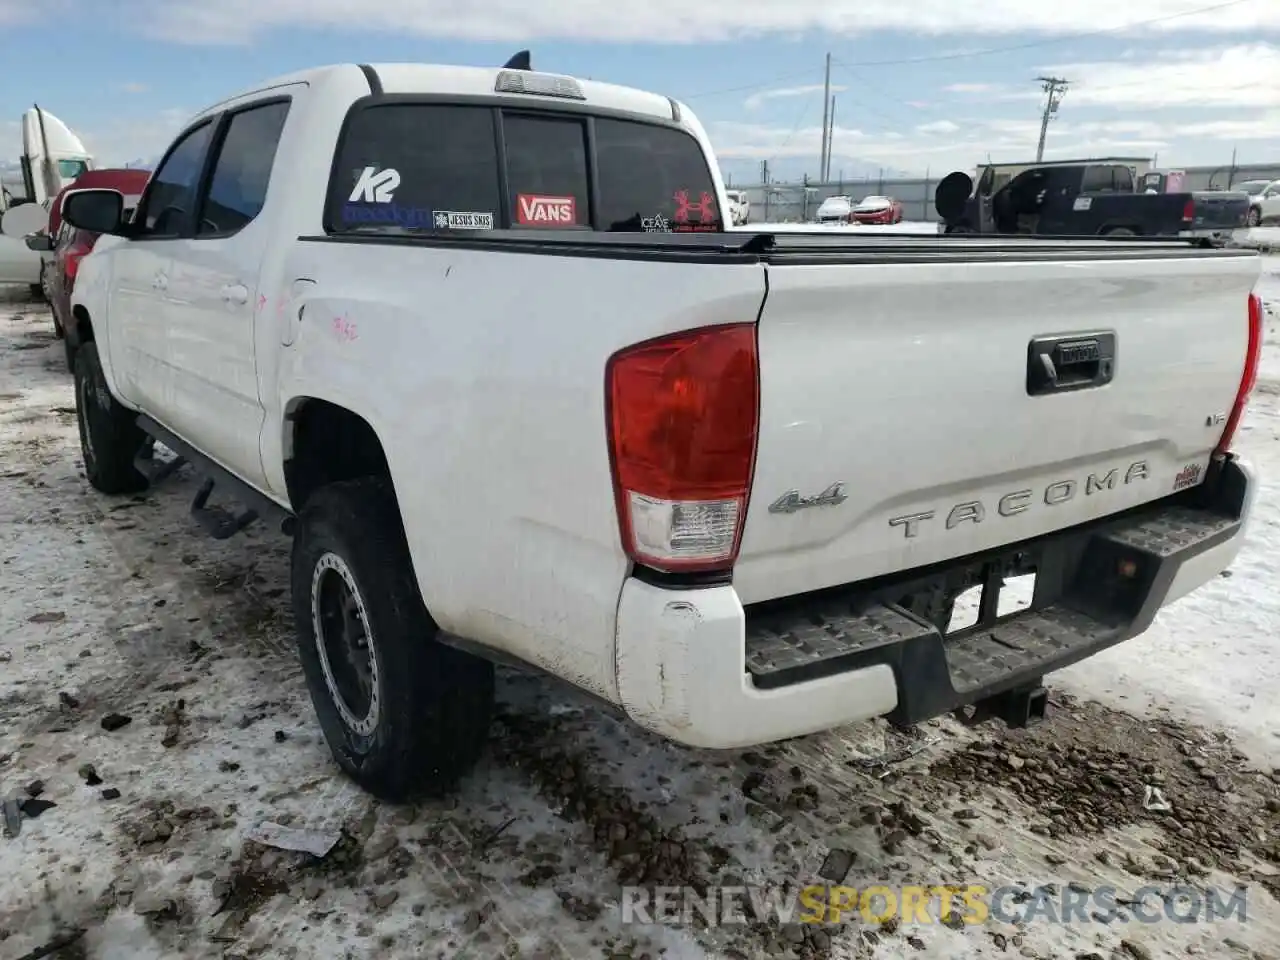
column 895, row 365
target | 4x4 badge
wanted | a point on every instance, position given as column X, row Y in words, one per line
column 791, row 501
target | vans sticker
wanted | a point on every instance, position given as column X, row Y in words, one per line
column 457, row 220
column 375, row 186
column 536, row 210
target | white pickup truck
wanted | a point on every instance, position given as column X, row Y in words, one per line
column 478, row 341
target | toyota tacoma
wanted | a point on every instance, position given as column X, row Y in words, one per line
column 479, row 342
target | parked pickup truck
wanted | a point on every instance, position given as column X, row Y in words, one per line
column 1076, row 199
column 478, row 340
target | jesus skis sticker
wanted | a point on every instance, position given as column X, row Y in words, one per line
column 457, row 220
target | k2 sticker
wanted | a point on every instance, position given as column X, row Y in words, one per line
column 536, row 210
column 375, row 186
column 456, row 220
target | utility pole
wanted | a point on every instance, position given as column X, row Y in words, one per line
column 831, row 136
column 826, row 132
column 1055, row 89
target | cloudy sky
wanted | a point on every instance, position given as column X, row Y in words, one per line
column 929, row 84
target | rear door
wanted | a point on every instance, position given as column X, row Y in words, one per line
column 214, row 296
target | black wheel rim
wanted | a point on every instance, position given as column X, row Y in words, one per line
column 344, row 642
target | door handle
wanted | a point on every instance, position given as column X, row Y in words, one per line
column 1072, row 362
column 236, row 293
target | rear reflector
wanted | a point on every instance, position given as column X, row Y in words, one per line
column 1248, row 378
column 683, row 413
column 539, row 84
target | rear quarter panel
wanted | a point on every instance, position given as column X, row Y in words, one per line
column 483, row 375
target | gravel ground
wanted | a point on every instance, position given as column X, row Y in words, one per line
column 153, row 718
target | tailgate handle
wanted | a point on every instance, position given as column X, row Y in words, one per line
column 1073, row 361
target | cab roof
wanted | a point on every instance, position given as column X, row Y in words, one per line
column 440, row 79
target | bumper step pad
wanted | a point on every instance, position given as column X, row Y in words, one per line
column 827, row 634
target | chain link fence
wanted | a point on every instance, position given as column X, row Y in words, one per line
column 799, row 202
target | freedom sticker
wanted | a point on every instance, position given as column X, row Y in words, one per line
column 456, row 220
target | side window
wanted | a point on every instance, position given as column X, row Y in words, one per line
column 171, row 194
column 546, row 172
column 416, row 167
column 653, row 178
column 242, row 170
column 1107, row 180
column 71, row 169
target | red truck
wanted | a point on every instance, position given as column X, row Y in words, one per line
column 70, row 245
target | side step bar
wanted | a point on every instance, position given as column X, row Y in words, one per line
column 218, row 522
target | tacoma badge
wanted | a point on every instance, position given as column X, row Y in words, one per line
column 791, row 501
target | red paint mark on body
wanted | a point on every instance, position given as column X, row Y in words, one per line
column 345, row 329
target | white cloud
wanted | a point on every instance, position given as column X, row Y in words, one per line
column 128, row 140
column 134, row 87
column 676, row 21
column 938, row 126
column 1238, row 76
column 1241, row 76
column 755, row 100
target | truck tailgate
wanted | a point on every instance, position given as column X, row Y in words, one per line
column 1218, row 211
column 911, row 384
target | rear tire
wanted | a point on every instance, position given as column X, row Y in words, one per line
column 1120, row 232
column 403, row 714
column 1254, row 219
column 37, row 292
column 110, row 437
column 70, row 352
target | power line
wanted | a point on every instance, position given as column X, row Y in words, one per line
column 965, row 55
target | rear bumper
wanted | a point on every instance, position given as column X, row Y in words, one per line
column 697, row 668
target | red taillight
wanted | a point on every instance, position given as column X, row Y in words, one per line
column 1189, row 211
column 683, row 413
column 72, row 262
column 1249, row 378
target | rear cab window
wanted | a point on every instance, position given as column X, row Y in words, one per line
column 406, row 167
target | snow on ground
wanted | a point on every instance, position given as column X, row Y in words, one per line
column 119, row 606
